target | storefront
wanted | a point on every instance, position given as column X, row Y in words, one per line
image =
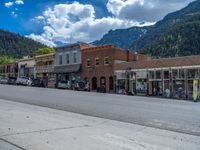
column 121, row 82
column 177, row 78
column 141, row 83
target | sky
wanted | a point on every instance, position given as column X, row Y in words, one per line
column 67, row 21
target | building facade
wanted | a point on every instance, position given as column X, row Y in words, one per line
column 44, row 66
column 68, row 62
column 173, row 77
column 2, row 70
column 98, row 65
column 9, row 70
column 26, row 67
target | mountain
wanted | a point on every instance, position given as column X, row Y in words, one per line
column 122, row 37
column 163, row 26
column 15, row 45
column 181, row 39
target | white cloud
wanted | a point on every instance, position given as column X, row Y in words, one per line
column 144, row 10
column 41, row 39
column 19, row 2
column 8, row 4
column 76, row 22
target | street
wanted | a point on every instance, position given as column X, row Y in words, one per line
column 172, row 115
column 29, row 127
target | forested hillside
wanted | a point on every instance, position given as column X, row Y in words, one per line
column 15, row 45
column 182, row 39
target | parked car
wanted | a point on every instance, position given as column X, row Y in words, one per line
column 63, row 85
column 101, row 89
column 4, row 80
column 82, row 86
column 12, row 80
column 24, row 81
column 51, row 83
column 37, row 83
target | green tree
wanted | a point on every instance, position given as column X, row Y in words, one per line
column 46, row 50
column 6, row 60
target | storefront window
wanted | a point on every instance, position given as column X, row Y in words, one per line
column 193, row 73
column 151, row 75
column 166, row 74
column 181, row 74
column 179, row 89
column 175, row 74
column 158, row 74
column 141, row 86
column 166, row 88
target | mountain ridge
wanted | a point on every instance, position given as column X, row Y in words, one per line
column 16, row 45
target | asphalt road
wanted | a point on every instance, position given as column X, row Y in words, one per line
column 173, row 115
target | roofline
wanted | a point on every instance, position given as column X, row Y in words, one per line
column 50, row 54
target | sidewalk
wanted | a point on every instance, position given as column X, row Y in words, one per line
column 38, row 128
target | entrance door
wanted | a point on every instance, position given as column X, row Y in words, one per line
column 94, row 83
column 111, row 87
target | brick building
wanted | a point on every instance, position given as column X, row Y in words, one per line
column 98, row 64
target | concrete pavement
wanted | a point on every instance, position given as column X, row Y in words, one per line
column 178, row 116
column 37, row 128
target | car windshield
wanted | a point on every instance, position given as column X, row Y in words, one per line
column 64, row 82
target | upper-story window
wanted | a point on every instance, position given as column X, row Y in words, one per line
column 67, row 58
column 106, row 60
column 75, row 57
column 60, row 59
column 97, row 61
column 88, row 62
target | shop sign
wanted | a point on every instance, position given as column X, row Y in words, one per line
column 141, row 75
column 195, row 89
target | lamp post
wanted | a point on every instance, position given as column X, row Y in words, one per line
column 128, row 74
column 90, row 71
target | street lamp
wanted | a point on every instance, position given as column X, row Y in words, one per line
column 90, row 71
column 128, row 73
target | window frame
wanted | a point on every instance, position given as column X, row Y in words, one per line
column 97, row 60
column 67, row 56
column 75, row 60
column 108, row 62
column 88, row 62
column 60, row 55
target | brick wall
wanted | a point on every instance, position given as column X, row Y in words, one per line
column 101, row 70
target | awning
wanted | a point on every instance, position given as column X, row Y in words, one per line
column 67, row 68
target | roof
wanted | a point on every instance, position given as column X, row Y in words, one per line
column 161, row 63
column 98, row 48
column 81, row 44
column 45, row 55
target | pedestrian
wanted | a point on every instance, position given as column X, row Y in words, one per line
column 167, row 93
column 180, row 93
column 154, row 91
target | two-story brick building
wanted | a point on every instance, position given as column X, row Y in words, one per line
column 98, row 65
